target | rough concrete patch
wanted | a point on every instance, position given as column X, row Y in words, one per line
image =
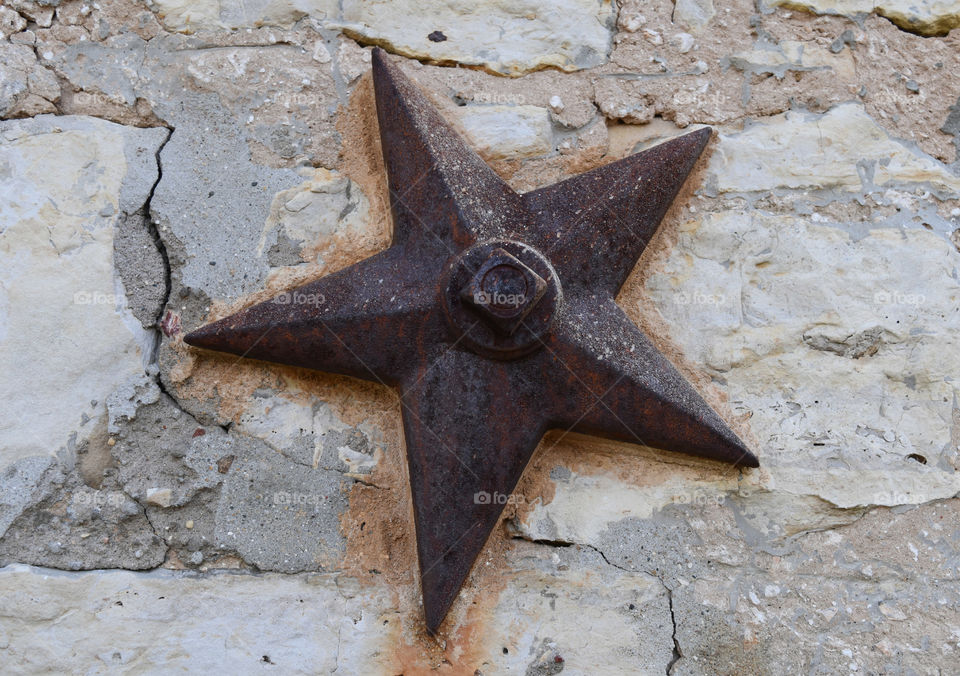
column 281, row 516
column 161, row 448
column 24, row 483
column 80, row 528
column 188, row 531
column 212, row 202
column 141, row 267
column 112, row 70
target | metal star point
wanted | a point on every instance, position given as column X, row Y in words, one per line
column 492, row 314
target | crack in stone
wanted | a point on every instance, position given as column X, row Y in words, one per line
column 611, row 563
column 677, row 653
column 162, row 249
column 146, row 515
column 155, row 232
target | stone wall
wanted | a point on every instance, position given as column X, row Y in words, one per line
column 166, row 163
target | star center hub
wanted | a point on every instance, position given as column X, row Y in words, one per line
column 501, row 297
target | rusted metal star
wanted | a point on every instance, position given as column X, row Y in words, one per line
column 493, row 315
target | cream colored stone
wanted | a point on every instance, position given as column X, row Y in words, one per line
column 67, row 338
column 509, row 38
column 926, row 17
column 501, row 132
column 324, row 205
column 595, row 618
column 793, row 55
column 583, row 506
column 571, row 606
column 844, row 348
column 693, row 14
column 10, row 22
column 188, row 15
column 132, row 622
column 160, row 497
column 843, row 150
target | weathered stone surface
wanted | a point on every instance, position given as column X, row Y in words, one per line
column 527, row 35
column 41, row 14
column 325, row 207
column 748, row 600
column 570, row 604
column 826, row 312
column 128, row 621
column 925, row 17
column 66, row 328
column 187, row 16
column 583, row 506
column 841, row 150
column 693, row 14
column 562, row 610
column 500, row 132
column 571, row 34
column 10, row 22
column 26, row 87
column 792, row 55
